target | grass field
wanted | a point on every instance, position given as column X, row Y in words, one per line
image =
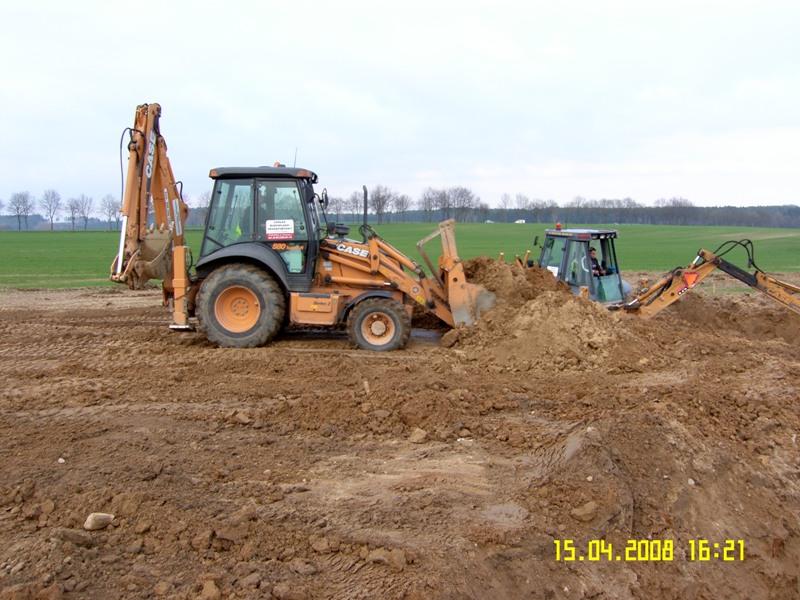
column 75, row 259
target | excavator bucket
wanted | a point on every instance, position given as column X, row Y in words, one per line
column 152, row 260
column 466, row 300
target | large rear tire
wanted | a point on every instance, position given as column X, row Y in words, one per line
column 240, row 306
column 379, row 324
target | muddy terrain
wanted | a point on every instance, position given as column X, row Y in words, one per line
column 310, row 469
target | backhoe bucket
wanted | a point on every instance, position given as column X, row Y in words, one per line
column 466, row 300
column 153, row 260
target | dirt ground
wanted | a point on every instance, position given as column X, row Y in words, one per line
column 309, row 469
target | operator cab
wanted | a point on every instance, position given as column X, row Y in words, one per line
column 265, row 211
column 566, row 254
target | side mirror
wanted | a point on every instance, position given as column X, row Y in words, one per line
column 536, row 241
column 324, row 198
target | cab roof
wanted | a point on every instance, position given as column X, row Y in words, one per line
column 583, row 234
column 262, row 172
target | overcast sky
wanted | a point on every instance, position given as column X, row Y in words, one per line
column 550, row 99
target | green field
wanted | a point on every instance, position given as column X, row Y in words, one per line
column 64, row 259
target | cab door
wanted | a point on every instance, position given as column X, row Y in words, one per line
column 578, row 266
column 282, row 222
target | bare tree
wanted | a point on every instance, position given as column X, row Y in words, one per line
column 110, row 208
column 427, row 203
column 21, row 206
column 505, row 204
column 74, row 209
column 441, row 202
column 203, row 200
column 401, row 203
column 335, row 206
column 463, row 201
column 355, row 203
column 577, row 202
column 380, row 199
column 483, row 211
column 51, row 205
column 85, row 205
column 522, row 202
column 2, row 205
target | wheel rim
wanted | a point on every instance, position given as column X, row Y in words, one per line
column 378, row 328
column 237, row 309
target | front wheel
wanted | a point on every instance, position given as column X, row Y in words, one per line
column 379, row 324
column 240, row 306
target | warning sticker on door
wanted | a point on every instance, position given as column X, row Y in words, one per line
column 280, row 229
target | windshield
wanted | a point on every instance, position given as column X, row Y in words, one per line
column 230, row 219
column 553, row 254
column 608, row 288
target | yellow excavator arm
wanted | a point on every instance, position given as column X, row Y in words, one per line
column 152, row 244
column 677, row 282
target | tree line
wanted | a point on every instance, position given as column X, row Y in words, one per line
column 23, row 205
column 461, row 204
column 435, row 204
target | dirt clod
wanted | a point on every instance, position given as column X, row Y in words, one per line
column 417, row 436
column 97, row 521
column 585, row 512
column 210, row 591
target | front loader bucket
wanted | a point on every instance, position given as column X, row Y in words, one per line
column 466, row 300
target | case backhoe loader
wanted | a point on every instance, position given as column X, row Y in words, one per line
column 566, row 254
column 270, row 258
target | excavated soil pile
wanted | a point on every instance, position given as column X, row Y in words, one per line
column 537, row 322
column 752, row 315
column 308, row 469
column 512, row 285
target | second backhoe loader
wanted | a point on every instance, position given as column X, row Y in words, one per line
column 566, row 253
column 673, row 285
column 269, row 257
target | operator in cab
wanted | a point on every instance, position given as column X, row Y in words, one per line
column 597, row 268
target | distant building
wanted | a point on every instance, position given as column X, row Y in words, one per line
column 520, row 221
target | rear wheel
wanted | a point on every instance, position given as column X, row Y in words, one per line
column 240, row 306
column 379, row 324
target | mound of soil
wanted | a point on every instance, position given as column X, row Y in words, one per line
column 538, row 321
column 751, row 314
column 511, row 284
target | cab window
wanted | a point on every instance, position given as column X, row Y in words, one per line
column 553, row 253
column 230, row 218
column 280, row 213
column 608, row 285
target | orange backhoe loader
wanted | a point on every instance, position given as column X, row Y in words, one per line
column 270, row 258
column 566, row 253
column 673, row 285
